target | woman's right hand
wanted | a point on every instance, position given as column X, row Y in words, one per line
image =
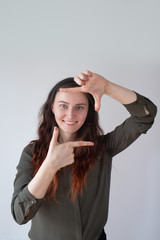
column 62, row 155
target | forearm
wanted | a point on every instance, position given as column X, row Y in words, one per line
column 40, row 183
column 119, row 93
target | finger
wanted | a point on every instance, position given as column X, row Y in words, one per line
column 79, row 81
column 88, row 73
column 54, row 139
column 83, row 76
column 81, row 143
column 75, row 89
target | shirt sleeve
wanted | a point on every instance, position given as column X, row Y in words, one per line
column 139, row 122
column 22, row 199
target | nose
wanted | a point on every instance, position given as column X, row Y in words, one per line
column 70, row 113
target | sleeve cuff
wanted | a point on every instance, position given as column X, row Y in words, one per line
column 28, row 200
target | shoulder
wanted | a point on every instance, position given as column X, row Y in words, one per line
column 26, row 155
column 29, row 149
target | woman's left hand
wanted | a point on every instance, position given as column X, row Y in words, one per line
column 90, row 83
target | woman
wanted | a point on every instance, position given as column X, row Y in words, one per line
column 63, row 179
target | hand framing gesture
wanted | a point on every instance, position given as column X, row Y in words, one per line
column 90, row 83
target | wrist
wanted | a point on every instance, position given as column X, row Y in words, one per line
column 50, row 166
column 108, row 87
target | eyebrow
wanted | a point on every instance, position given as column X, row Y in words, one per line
column 75, row 104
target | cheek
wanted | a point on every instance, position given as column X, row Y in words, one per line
column 83, row 116
column 58, row 114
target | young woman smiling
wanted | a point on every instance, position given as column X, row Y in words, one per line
column 63, row 178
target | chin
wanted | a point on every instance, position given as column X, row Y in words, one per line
column 69, row 130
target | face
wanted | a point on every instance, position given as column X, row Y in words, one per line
column 70, row 110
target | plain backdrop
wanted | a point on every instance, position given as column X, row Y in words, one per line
column 42, row 42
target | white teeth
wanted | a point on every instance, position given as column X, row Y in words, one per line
column 70, row 122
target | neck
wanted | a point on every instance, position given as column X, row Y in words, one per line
column 66, row 137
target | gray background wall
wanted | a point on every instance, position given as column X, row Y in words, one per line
column 43, row 42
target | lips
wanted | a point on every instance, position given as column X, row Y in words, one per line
column 71, row 123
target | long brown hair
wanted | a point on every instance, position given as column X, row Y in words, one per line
column 88, row 132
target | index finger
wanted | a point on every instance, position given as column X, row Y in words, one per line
column 74, row 89
column 81, row 143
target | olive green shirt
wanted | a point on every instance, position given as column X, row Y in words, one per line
column 85, row 218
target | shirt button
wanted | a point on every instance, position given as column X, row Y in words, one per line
column 32, row 201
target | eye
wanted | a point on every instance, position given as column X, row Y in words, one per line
column 79, row 107
column 63, row 106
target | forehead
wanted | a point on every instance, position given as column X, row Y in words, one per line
column 75, row 98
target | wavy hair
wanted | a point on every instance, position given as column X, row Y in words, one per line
column 84, row 157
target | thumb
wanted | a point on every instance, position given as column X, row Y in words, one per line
column 97, row 99
column 54, row 139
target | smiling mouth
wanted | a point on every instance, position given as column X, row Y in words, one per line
column 70, row 123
